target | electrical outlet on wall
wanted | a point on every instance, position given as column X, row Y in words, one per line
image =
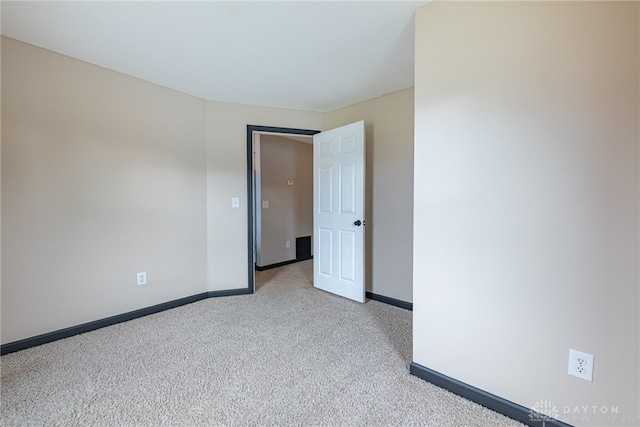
column 141, row 278
column 581, row 365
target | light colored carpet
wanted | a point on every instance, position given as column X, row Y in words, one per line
column 287, row 355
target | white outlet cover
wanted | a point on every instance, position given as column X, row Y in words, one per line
column 141, row 278
column 581, row 365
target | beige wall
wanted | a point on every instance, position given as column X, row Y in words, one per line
column 103, row 176
column 389, row 189
column 0, row 184
column 290, row 212
column 527, row 200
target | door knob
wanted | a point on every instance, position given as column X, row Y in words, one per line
column 358, row 223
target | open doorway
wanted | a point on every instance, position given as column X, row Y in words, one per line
column 338, row 206
column 282, row 210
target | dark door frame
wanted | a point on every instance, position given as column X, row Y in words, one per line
column 250, row 198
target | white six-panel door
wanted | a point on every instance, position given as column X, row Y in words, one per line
column 338, row 211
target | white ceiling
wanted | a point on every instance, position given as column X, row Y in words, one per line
column 304, row 55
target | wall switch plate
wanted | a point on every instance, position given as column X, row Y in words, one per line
column 287, row 244
column 265, row 204
column 581, row 365
column 235, row 202
column 141, row 278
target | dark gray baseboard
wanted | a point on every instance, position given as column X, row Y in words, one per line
column 281, row 264
column 488, row 400
column 391, row 301
column 276, row 265
column 228, row 293
column 113, row 320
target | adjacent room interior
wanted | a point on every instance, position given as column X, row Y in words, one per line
column 283, row 203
